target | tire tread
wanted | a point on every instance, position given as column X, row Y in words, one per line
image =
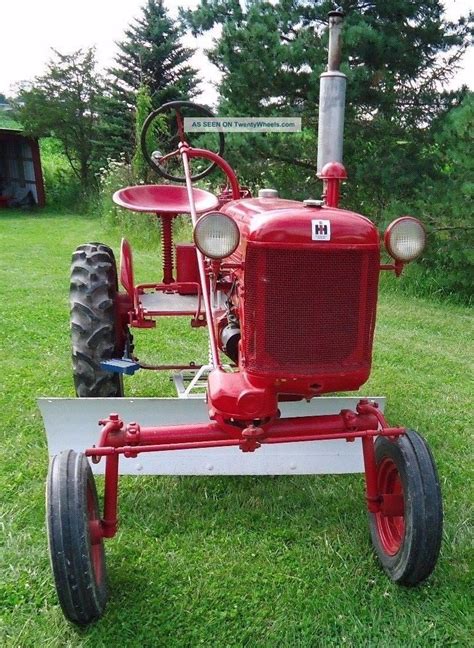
column 417, row 557
column 93, row 289
column 81, row 598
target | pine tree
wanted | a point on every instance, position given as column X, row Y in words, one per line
column 116, row 123
column 139, row 165
column 396, row 55
column 151, row 54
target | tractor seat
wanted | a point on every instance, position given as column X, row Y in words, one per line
column 163, row 199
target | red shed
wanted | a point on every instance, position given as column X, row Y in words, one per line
column 21, row 177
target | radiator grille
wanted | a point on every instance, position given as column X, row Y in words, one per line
column 309, row 312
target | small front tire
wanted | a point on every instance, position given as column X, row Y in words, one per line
column 407, row 541
column 75, row 544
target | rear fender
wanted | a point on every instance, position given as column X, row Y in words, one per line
column 126, row 268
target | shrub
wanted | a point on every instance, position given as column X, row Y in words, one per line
column 62, row 187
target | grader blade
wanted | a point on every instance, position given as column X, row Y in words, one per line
column 72, row 423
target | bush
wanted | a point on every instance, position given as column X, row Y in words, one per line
column 449, row 262
column 62, row 187
column 446, row 267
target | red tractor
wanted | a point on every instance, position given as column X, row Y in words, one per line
column 288, row 293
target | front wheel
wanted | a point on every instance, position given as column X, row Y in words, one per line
column 406, row 532
column 76, row 545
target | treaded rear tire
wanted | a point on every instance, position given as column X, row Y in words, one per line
column 95, row 328
column 416, row 550
column 78, row 564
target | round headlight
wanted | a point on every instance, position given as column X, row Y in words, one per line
column 405, row 238
column 216, row 235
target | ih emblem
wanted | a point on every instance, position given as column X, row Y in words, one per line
column 321, row 230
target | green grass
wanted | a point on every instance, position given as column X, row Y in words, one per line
column 227, row 561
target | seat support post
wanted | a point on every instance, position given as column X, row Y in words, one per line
column 167, row 242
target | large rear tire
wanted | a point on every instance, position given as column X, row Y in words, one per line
column 408, row 539
column 76, row 548
column 96, row 330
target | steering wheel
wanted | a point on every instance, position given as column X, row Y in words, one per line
column 155, row 160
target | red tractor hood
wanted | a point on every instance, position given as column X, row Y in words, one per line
column 289, row 222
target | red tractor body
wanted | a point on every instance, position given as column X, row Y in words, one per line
column 306, row 307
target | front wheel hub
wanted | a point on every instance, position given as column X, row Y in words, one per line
column 390, row 518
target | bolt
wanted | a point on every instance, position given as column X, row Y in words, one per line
column 114, row 417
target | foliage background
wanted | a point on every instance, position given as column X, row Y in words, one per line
column 408, row 141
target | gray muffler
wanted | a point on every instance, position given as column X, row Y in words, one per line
column 332, row 97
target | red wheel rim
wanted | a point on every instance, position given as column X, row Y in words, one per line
column 95, row 537
column 391, row 528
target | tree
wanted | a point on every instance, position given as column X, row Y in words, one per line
column 116, row 124
column 396, row 54
column 139, row 165
column 151, row 54
column 64, row 103
column 446, row 204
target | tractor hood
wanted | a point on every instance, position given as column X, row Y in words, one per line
column 290, row 223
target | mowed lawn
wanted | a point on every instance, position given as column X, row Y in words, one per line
column 216, row 561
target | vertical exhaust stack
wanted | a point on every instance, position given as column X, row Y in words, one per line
column 332, row 96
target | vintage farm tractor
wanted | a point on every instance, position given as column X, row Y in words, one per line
column 288, row 292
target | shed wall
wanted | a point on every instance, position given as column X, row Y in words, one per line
column 20, row 169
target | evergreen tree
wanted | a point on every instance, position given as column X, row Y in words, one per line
column 139, row 165
column 152, row 54
column 447, row 204
column 396, row 54
column 116, row 123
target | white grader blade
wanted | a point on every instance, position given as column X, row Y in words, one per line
column 73, row 423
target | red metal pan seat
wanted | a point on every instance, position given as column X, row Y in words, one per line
column 164, row 199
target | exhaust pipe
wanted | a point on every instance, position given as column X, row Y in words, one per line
column 332, row 96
